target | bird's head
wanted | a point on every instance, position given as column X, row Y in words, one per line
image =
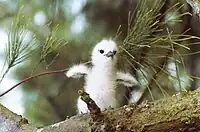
column 104, row 53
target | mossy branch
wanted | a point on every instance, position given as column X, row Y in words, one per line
column 178, row 113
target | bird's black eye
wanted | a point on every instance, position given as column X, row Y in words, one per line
column 114, row 52
column 101, row 51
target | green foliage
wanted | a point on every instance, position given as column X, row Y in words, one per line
column 52, row 43
column 17, row 51
column 150, row 43
column 143, row 23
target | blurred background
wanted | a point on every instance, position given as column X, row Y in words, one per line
column 82, row 23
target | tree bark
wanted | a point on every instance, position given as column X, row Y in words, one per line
column 179, row 113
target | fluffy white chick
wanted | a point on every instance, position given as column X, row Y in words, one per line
column 102, row 78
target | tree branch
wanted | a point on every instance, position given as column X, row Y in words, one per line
column 180, row 113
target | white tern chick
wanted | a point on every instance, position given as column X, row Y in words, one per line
column 102, row 78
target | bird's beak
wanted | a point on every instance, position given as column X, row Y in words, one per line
column 110, row 54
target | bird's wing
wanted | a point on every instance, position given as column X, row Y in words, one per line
column 77, row 71
column 126, row 79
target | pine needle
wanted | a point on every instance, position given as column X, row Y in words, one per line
column 51, row 44
column 147, row 33
column 17, row 51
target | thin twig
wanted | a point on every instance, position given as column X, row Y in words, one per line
column 32, row 77
column 35, row 76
